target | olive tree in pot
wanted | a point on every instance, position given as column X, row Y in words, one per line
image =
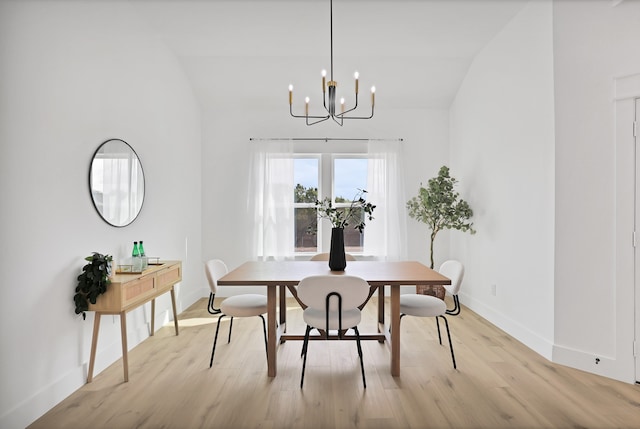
column 440, row 207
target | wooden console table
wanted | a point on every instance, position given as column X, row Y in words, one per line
column 129, row 291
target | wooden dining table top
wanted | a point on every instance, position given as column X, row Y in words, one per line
column 289, row 273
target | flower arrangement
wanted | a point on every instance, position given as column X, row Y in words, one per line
column 341, row 217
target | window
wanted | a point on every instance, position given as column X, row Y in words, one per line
column 287, row 178
column 338, row 177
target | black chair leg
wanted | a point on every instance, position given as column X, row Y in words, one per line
column 364, row 380
column 210, row 307
column 304, row 352
column 456, row 306
column 264, row 329
column 453, row 358
column 438, row 325
column 231, row 326
column 215, row 340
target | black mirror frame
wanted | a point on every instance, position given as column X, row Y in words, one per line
column 91, row 191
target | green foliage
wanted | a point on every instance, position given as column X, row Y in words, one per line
column 92, row 282
column 305, row 195
column 341, row 217
column 440, row 206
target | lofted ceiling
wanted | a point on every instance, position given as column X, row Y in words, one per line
column 245, row 52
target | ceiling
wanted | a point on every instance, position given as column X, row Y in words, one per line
column 246, row 53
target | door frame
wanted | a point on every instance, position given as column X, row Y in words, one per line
column 627, row 259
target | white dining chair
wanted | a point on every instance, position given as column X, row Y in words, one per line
column 246, row 305
column 332, row 305
column 454, row 270
column 427, row 306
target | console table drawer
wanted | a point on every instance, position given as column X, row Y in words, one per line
column 138, row 288
column 169, row 276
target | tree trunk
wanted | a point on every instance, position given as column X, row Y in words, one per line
column 433, row 238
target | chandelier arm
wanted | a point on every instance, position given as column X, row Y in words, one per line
column 358, row 117
column 307, row 116
column 324, row 118
column 335, row 119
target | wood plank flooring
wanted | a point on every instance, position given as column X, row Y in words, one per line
column 499, row 383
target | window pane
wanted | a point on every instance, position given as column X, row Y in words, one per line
column 306, row 224
column 305, row 175
column 349, row 175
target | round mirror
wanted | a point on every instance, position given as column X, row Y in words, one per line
column 116, row 182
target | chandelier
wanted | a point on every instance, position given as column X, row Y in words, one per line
column 330, row 87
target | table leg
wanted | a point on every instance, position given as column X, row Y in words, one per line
column 395, row 331
column 153, row 317
column 94, row 345
column 271, row 331
column 283, row 307
column 125, row 352
column 175, row 313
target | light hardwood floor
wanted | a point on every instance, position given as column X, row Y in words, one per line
column 499, row 383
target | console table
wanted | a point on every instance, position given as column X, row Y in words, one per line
column 129, row 291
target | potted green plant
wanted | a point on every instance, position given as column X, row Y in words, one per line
column 92, row 282
column 440, row 207
column 340, row 217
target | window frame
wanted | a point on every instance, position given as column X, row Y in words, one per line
column 326, row 188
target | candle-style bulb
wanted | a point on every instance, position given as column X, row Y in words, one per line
column 306, row 106
column 373, row 96
column 324, row 75
column 342, row 104
column 356, row 74
column 290, row 95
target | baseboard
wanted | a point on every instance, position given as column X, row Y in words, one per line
column 535, row 342
column 605, row 366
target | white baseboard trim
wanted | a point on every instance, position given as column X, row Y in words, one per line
column 605, row 366
column 535, row 342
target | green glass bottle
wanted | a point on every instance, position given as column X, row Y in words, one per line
column 143, row 257
column 136, row 260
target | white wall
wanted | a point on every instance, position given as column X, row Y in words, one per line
column 502, row 151
column 594, row 42
column 74, row 75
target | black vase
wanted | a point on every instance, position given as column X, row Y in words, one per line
column 337, row 259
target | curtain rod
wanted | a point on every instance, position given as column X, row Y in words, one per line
column 325, row 139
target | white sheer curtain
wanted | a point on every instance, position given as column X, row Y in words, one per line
column 385, row 236
column 121, row 185
column 271, row 199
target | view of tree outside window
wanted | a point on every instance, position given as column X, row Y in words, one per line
column 349, row 175
column 305, row 175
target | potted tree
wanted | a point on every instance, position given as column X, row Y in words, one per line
column 440, row 207
column 358, row 211
column 92, row 282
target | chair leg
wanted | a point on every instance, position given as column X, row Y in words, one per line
column 456, row 306
column 438, row 325
column 453, row 358
column 305, row 344
column 264, row 329
column 210, row 307
column 231, row 326
column 364, row 380
column 215, row 340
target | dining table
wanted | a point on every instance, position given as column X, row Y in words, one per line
column 280, row 276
